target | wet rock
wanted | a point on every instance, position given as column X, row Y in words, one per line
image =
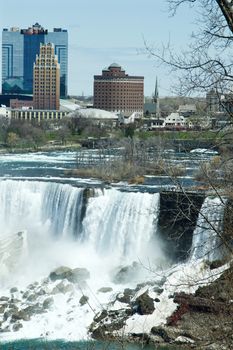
column 5, row 329
column 158, row 290
column 161, row 332
column 34, row 310
column 156, row 339
column 14, row 290
column 74, row 276
column 17, row 326
column 20, row 315
column 9, row 312
column 40, row 292
column 4, row 299
column 126, row 296
column 60, row 273
column 83, row 300
column 47, row 303
column 3, row 308
column 216, row 264
column 62, row 288
column 100, row 316
column 32, row 297
column 31, row 286
column 198, row 304
column 26, row 294
column 144, row 304
column 105, row 290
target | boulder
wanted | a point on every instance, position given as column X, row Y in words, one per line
column 62, row 288
column 4, row 299
column 17, row 326
column 3, row 308
column 126, row 296
column 83, row 300
column 60, row 273
column 144, row 304
column 33, row 310
column 14, row 290
column 47, row 303
column 20, row 315
column 75, row 276
column 32, row 297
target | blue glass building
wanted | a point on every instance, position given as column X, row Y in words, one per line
column 19, row 50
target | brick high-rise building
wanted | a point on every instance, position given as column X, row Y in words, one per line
column 46, row 79
column 19, row 50
column 119, row 92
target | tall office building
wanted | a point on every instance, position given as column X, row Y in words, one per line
column 19, row 50
column 46, row 81
column 117, row 91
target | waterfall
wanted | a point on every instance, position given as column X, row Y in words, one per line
column 35, row 206
column 112, row 223
column 206, row 241
column 121, row 223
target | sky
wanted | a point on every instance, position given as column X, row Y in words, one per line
column 105, row 31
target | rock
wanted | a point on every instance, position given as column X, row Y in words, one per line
column 126, row 296
column 144, row 304
column 5, row 330
column 100, row 316
column 14, row 290
column 184, row 340
column 32, row 297
column 25, row 295
column 17, row 326
column 62, row 288
column 60, row 273
column 40, row 292
column 156, row 339
column 3, row 308
column 158, row 290
column 157, row 300
column 105, row 290
column 47, row 303
column 34, row 310
column 199, row 304
column 83, row 300
column 20, row 315
column 4, row 299
column 161, row 332
column 216, row 264
column 74, row 276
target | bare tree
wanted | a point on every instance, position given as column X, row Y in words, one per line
column 207, row 61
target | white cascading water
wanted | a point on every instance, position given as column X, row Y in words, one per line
column 206, row 236
column 118, row 229
column 119, row 225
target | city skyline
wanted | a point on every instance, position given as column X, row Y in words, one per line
column 103, row 33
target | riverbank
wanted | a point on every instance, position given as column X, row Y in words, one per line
column 44, row 148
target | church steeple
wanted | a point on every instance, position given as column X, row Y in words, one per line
column 156, row 99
